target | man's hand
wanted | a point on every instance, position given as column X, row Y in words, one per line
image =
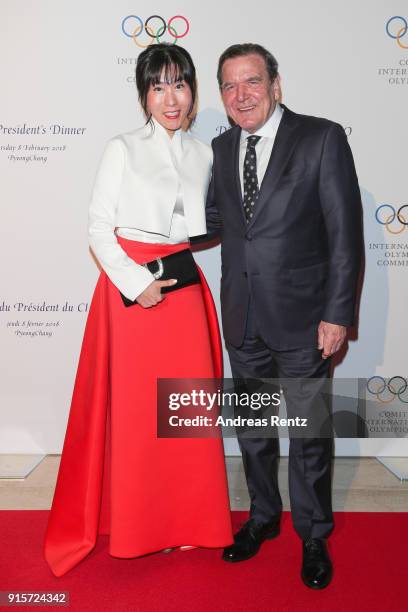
column 330, row 338
column 152, row 294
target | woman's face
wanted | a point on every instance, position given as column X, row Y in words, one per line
column 169, row 103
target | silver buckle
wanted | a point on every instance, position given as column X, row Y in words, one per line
column 159, row 272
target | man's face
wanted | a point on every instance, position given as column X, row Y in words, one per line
column 248, row 95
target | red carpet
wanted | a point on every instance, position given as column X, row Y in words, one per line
column 369, row 551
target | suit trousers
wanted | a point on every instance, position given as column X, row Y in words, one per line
column 310, row 459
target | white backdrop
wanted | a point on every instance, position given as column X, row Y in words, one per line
column 67, row 76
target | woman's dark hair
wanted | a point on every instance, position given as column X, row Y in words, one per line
column 247, row 49
column 177, row 65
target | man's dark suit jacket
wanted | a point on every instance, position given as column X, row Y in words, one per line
column 299, row 257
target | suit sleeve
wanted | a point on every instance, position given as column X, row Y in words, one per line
column 129, row 277
column 212, row 215
column 341, row 205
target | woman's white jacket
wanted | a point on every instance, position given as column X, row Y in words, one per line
column 136, row 187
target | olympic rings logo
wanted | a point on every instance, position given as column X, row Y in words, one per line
column 155, row 27
column 396, row 31
column 387, row 215
column 385, row 391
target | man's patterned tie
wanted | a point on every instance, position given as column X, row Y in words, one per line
column 251, row 189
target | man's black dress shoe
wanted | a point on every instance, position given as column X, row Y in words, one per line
column 249, row 538
column 317, row 569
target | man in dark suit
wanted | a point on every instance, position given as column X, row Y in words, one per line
column 285, row 199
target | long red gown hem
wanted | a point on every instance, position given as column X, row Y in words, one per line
column 136, row 555
column 103, row 421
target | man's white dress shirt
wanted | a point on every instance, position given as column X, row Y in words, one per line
column 263, row 147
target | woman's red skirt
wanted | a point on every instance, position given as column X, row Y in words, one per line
column 116, row 476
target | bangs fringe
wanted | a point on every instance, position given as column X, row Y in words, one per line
column 172, row 70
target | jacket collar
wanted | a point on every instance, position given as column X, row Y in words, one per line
column 157, row 134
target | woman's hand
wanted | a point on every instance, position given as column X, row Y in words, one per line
column 152, row 294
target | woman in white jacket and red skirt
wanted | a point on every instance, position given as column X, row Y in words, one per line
column 116, row 475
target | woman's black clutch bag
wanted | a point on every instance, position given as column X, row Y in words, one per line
column 180, row 265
